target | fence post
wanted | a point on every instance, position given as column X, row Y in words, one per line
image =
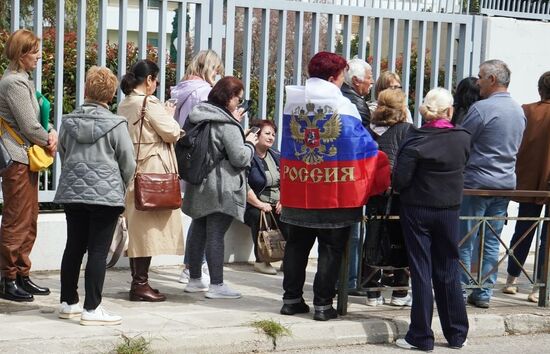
column 544, row 290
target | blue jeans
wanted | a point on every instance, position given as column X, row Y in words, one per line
column 355, row 255
column 482, row 206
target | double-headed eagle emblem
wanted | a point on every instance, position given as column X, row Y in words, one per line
column 317, row 137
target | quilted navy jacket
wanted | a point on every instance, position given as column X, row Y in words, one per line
column 97, row 157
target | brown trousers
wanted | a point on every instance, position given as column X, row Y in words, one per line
column 19, row 219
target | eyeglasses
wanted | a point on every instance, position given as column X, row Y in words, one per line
column 241, row 100
column 395, row 87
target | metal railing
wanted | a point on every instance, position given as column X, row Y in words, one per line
column 527, row 9
column 478, row 280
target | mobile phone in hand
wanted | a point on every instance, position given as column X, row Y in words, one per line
column 246, row 105
column 254, row 130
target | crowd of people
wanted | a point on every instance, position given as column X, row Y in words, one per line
column 339, row 154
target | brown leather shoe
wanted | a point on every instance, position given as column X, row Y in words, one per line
column 140, row 289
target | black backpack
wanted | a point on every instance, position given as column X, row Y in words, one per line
column 193, row 152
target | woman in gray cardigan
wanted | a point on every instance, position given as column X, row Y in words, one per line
column 98, row 162
column 222, row 195
column 19, row 110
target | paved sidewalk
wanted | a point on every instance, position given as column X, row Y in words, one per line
column 189, row 323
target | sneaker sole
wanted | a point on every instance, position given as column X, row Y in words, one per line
column 195, row 290
column 100, row 323
column 183, row 281
column 510, row 291
column 68, row 316
column 218, row 296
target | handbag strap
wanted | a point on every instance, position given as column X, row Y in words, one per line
column 274, row 221
column 12, row 132
column 140, row 121
column 263, row 221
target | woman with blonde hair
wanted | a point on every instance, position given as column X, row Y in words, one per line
column 19, row 110
column 194, row 88
column 389, row 127
column 428, row 174
column 98, row 161
column 151, row 233
column 197, row 82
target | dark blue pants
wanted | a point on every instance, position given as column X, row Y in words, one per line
column 522, row 249
column 432, row 237
column 332, row 243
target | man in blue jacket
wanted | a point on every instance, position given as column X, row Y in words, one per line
column 496, row 124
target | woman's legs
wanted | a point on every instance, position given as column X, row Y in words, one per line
column 217, row 225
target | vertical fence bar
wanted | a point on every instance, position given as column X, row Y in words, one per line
column 477, row 37
column 407, row 42
column 315, row 30
column 102, row 33
column 463, row 66
column 363, row 36
column 449, row 55
column 544, row 290
column 142, row 35
column 181, row 41
column 38, row 30
column 217, row 30
column 298, row 42
column 229, row 46
column 280, row 80
column 377, row 45
column 436, row 47
column 202, row 26
column 331, row 32
column 163, row 15
column 346, row 40
column 58, row 87
column 264, row 64
column 392, row 46
column 122, row 39
column 80, row 52
column 14, row 15
column 247, row 49
column 420, row 69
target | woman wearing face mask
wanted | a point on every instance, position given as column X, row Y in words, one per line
column 19, row 110
column 264, row 187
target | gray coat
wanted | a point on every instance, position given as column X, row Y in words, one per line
column 97, row 157
column 224, row 189
column 19, row 108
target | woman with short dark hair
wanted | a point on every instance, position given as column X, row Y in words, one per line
column 221, row 196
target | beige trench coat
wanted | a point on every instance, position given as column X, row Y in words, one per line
column 152, row 233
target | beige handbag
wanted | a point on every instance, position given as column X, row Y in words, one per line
column 271, row 243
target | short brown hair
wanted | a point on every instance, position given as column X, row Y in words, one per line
column 383, row 82
column 101, row 84
column 19, row 44
column 392, row 108
column 224, row 90
column 544, row 86
column 262, row 123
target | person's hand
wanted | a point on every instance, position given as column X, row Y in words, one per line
column 52, row 142
column 238, row 114
column 266, row 207
column 278, row 208
column 252, row 138
column 170, row 107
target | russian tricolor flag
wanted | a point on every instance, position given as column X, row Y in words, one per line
column 328, row 159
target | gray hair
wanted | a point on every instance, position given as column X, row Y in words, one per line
column 436, row 103
column 498, row 69
column 356, row 67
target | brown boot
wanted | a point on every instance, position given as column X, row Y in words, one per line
column 140, row 289
column 133, row 272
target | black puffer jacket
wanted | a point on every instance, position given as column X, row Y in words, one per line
column 360, row 103
column 391, row 139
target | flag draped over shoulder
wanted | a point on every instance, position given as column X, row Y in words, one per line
column 328, row 159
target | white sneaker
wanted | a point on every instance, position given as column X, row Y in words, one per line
column 99, row 317
column 221, row 291
column 196, row 286
column 375, row 301
column 265, row 268
column 402, row 343
column 184, row 277
column 401, row 301
column 67, row 311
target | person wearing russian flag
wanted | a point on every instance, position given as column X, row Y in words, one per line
column 330, row 165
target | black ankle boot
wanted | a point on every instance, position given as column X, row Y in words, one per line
column 26, row 284
column 10, row 291
column 325, row 314
column 292, row 309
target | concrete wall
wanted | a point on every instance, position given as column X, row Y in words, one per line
column 523, row 45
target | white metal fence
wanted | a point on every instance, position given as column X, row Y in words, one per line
column 268, row 44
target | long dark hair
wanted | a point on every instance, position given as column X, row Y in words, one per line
column 138, row 74
column 467, row 92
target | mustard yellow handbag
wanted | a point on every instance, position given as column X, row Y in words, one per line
column 39, row 159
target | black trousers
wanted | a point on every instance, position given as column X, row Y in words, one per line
column 332, row 243
column 432, row 237
column 252, row 219
column 89, row 228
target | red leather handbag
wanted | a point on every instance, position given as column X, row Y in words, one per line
column 155, row 191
